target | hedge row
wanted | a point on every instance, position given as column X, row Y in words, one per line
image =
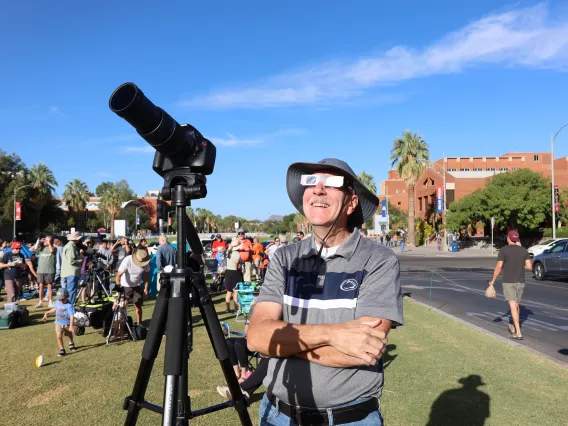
column 560, row 232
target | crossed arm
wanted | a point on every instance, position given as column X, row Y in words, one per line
column 355, row 343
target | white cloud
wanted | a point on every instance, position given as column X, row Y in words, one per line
column 526, row 37
column 134, row 149
column 232, row 140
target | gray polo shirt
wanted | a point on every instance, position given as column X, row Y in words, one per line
column 360, row 279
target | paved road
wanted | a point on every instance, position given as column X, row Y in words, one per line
column 457, row 286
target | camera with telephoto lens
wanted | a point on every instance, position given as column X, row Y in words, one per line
column 177, row 146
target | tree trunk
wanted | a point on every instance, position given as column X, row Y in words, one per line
column 112, row 227
column 411, row 227
column 38, row 209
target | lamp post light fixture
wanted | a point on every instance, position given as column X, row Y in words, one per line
column 552, row 178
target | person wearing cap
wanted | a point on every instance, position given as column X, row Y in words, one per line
column 326, row 306
column 71, row 261
column 132, row 273
column 246, row 251
column 218, row 242
column 233, row 275
column 13, row 263
column 64, row 317
column 47, row 253
column 513, row 260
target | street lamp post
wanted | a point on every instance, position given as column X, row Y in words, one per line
column 15, row 191
column 445, row 246
column 139, row 207
column 552, row 178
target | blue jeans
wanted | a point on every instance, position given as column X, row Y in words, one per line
column 71, row 283
column 402, row 246
column 270, row 416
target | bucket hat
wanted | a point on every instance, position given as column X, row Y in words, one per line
column 73, row 236
column 368, row 202
column 140, row 257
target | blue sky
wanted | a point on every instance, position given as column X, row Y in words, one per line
column 272, row 83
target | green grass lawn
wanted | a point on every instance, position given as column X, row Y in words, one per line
column 425, row 361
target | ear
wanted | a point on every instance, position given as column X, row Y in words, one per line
column 352, row 204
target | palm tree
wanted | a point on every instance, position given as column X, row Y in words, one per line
column 111, row 202
column 408, row 155
column 369, row 181
column 76, row 195
column 44, row 182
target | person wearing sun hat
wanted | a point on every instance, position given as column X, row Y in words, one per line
column 326, row 306
column 132, row 273
column 71, row 261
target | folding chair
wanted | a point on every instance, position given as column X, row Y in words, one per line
column 227, row 332
column 245, row 295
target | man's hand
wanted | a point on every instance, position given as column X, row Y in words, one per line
column 491, row 282
column 44, row 319
column 360, row 339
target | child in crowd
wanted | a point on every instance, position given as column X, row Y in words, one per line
column 64, row 316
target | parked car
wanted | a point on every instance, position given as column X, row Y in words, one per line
column 539, row 248
column 553, row 262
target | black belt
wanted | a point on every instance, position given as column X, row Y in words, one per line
column 315, row 416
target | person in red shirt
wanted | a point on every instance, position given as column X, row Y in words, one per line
column 216, row 244
column 246, row 252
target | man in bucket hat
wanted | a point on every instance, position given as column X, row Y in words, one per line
column 71, row 261
column 132, row 272
column 326, row 306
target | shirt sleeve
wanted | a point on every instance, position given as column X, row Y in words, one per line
column 158, row 259
column 147, row 268
column 71, row 310
column 501, row 255
column 123, row 265
column 272, row 289
column 380, row 295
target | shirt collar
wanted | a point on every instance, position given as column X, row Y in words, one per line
column 346, row 249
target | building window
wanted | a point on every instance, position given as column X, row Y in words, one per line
column 535, row 158
column 477, row 169
column 397, row 191
column 490, row 169
column 451, row 169
column 404, row 191
column 516, row 169
column 466, row 169
column 419, row 204
column 398, row 204
column 503, row 169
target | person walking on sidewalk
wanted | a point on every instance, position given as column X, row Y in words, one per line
column 513, row 260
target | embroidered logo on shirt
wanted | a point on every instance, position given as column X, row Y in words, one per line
column 348, row 285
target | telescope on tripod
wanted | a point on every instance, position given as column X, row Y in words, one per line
column 183, row 158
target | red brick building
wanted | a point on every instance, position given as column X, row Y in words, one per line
column 465, row 175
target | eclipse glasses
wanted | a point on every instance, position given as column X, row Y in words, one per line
column 328, row 181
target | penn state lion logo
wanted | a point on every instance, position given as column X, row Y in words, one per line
column 348, row 285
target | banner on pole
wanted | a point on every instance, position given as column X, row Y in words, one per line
column 384, row 208
column 170, row 221
column 439, row 199
column 18, row 211
column 137, row 219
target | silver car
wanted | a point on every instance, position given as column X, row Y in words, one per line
column 553, row 262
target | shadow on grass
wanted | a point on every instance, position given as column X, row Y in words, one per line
column 388, row 357
column 47, row 364
column 465, row 406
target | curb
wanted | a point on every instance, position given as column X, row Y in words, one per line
column 490, row 333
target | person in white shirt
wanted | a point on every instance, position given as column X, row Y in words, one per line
column 132, row 273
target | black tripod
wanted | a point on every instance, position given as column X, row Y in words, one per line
column 173, row 308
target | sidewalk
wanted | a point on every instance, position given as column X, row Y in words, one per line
column 432, row 251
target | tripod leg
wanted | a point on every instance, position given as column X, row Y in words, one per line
column 219, row 343
column 133, row 403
